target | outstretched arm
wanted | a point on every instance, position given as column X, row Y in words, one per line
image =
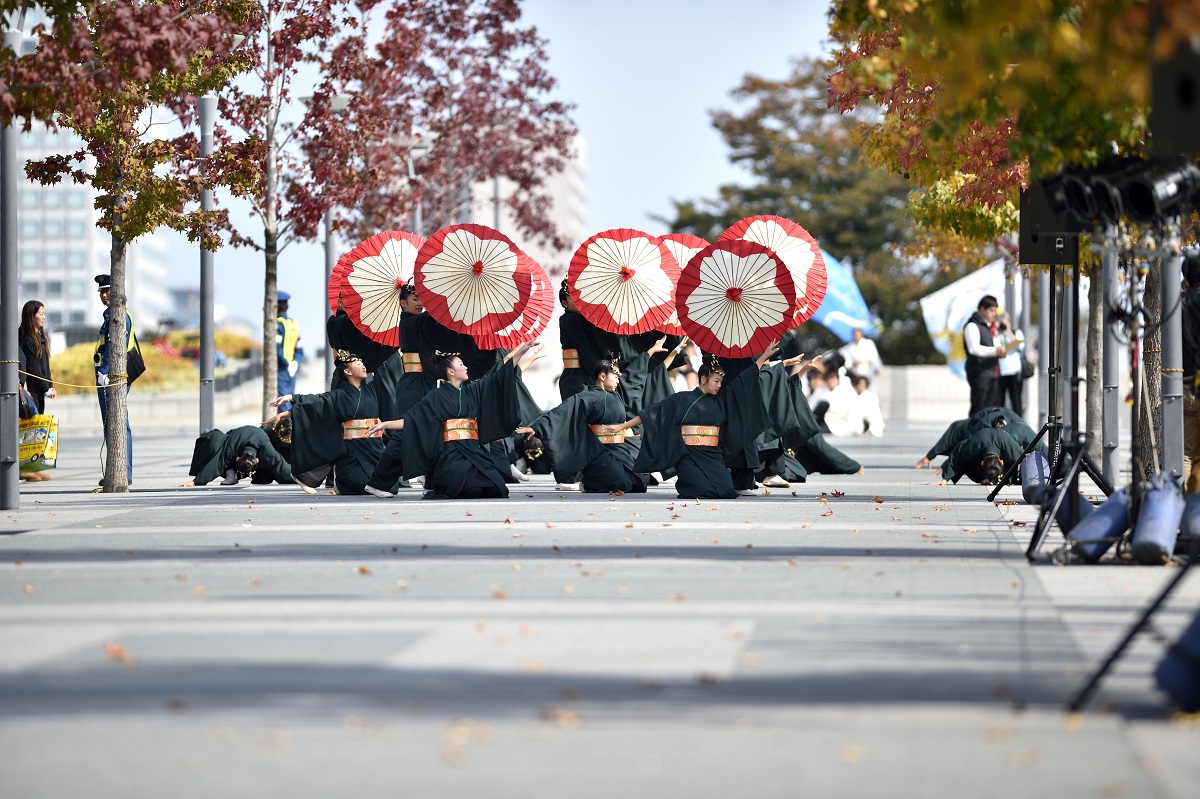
column 378, row 428
column 609, row 429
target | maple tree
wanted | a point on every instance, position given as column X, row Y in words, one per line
column 110, row 72
column 804, row 164
column 462, row 73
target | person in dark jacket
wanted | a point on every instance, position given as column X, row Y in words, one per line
column 34, row 349
column 983, row 354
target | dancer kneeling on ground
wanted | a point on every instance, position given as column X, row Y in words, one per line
column 995, row 416
column 696, row 432
column 445, row 432
column 334, row 427
column 578, row 446
column 242, row 452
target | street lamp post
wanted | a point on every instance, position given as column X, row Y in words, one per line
column 10, row 450
column 337, row 104
column 208, row 112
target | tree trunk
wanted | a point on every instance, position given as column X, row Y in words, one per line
column 270, row 315
column 1149, row 443
column 116, row 473
column 1094, row 362
column 270, row 228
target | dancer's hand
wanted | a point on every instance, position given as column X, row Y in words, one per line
column 922, row 464
column 275, row 403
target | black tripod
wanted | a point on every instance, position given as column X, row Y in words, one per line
column 1064, row 477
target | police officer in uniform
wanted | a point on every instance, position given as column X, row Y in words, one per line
column 288, row 349
column 101, row 359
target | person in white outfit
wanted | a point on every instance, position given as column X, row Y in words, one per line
column 866, row 407
column 862, row 356
column 839, row 404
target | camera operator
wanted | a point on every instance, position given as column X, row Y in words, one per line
column 983, row 354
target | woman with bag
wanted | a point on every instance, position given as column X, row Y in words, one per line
column 34, row 350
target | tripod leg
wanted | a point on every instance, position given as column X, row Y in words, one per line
column 1085, row 693
column 1043, row 528
column 1094, row 473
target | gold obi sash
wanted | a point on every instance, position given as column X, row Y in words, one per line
column 357, row 428
column 460, row 430
column 700, row 435
column 570, row 359
column 608, row 438
column 412, row 362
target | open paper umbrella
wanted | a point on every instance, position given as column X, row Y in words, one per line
column 471, row 279
column 534, row 317
column 735, row 298
column 682, row 246
column 623, row 281
column 797, row 248
column 369, row 279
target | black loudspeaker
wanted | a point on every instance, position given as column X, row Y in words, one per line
column 1045, row 237
column 1175, row 103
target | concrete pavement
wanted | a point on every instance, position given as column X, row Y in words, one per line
column 889, row 642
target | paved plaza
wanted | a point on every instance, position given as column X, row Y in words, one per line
column 855, row 636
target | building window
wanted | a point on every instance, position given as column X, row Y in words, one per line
column 76, row 288
column 52, row 198
column 76, row 229
column 52, row 258
column 30, row 198
column 78, row 317
column 76, row 259
column 30, row 259
column 53, row 318
column 54, row 289
column 53, row 229
column 29, row 229
column 30, row 288
column 75, row 198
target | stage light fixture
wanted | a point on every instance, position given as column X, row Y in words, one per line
column 1162, row 189
column 1108, row 191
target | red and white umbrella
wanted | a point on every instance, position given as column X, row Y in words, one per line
column 797, row 248
column 534, row 318
column 369, row 279
column 623, row 281
column 471, row 279
column 735, row 297
column 682, row 246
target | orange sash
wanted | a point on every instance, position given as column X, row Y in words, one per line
column 357, row 428
column 570, row 359
column 412, row 362
column 700, row 435
column 608, row 438
column 460, row 430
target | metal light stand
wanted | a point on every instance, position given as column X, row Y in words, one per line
column 1076, row 447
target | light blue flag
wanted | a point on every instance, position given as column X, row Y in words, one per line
column 843, row 309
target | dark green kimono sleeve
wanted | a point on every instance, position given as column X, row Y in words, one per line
column 958, row 432
column 316, row 431
column 255, row 438
column 496, row 395
column 207, row 457
column 781, row 393
column 422, row 439
column 745, row 414
column 662, row 443
column 565, row 431
column 988, row 441
column 1023, row 434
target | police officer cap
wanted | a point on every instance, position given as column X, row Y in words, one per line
column 103, row 282
column 282, row 296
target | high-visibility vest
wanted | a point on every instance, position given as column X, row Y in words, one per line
column 290, row 337
column 97, row 358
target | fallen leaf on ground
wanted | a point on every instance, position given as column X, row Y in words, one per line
column 363, row 570
column 827, row 513
column 509, row 521
column 628, row 524
column 119, row 654
column 676, row 516
column 838, row 494
column 499, row 595
column 878, row 499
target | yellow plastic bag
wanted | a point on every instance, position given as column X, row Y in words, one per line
column 39, row 442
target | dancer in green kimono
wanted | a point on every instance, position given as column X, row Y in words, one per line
column 996, row 416
column 982, row 457
column 445, row 433
column 242, row 452
column 333, row 427
column 603, row 462
column 697, row 432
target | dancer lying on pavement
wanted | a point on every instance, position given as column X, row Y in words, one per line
column 242, row 452
column 982, row 457
column 445, row 432
column 962, row 429
column 697, row 432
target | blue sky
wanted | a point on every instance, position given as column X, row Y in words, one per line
column 643, row 77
